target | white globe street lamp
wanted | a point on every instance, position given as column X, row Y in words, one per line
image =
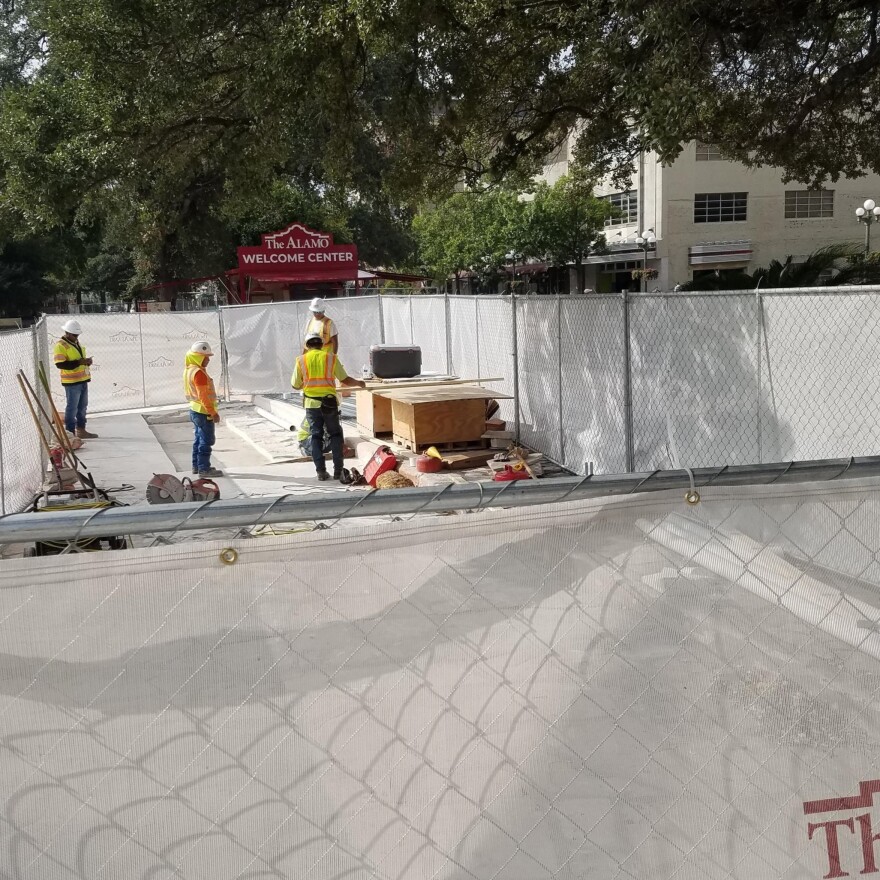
column 868, row 214
column 644, row 241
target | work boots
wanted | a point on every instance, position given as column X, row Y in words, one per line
column 83, row 434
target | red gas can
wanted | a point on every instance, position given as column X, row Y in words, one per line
column 383, row 460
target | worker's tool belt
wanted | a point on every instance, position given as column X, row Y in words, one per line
column 329, row 402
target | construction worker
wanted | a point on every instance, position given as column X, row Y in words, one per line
column 70, row 357
column 198, row 387
column 304, row 438
column 315, row 373
column 322, row 325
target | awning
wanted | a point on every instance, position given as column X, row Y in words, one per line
column 298, row 279
column 392, row 276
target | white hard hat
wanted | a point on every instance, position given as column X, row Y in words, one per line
column 200, row 347
column 316, row 305
column 72, row 327
column 312, row 336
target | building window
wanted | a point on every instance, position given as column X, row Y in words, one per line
column 623, row 266
column 625, row 207
column 805, row 203
column 720, row 207
column 708, row 152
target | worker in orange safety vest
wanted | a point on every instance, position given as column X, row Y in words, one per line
column 315, row 374
column 198, row 387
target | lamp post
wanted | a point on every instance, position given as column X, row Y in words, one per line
column 867, row 214
column 644, row 241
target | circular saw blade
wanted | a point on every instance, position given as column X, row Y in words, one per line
column 165, row 489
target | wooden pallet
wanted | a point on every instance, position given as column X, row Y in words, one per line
column 449, row 446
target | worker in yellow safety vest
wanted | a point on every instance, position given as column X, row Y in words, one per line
column 70, row 357
column 322, row 325
column 198, row 387
column 315, row 374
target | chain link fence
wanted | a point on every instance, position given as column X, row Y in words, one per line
column 138, row 357
column 713, row 378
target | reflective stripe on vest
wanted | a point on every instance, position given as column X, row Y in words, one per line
column 66, row 351
column 324, row 329
column 317, row 368
column 192, row 393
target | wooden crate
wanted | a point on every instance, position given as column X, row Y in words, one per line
column 425, row 423
column 373, row 412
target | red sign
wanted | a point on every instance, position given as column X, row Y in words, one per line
column 299, row 252
column 849, row 841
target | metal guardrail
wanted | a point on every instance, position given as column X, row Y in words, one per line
column 73, row 525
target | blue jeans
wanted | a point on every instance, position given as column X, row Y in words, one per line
column 319, row 422
column 204, row 440
column 77, row 403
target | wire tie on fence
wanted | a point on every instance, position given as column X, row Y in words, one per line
column 192, row 513
column 849, row 464
column 574, row 488
column 720, row 472
column 345, row 513
column 83, row 524
column 642, row 482
column 781, row 474
column 268, row 510
column 418, row 510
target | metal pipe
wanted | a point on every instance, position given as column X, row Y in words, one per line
column 75, row 524
column 276, row 420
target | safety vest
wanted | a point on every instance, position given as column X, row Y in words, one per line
column 192, row 393
column 65, row 350
column 317, row 368
column 322, row 326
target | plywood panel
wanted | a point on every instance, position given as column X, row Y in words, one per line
column 373, row 412
column 442, row 393
column 423, row 423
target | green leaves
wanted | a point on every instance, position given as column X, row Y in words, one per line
column 482, row 231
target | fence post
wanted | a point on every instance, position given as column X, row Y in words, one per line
column 224, row 356
column 516, row 414
column 627, row 387
column 559, row 376
column 381, row 319
column 477, row 335
column 759, row 341
column 35, row 347
column 448, row 312
column 140, row 317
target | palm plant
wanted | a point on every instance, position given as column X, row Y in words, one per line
column 847, row 262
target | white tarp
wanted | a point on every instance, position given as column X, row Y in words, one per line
column 262, row 341
column 138, row 357
column 22, row 455
column 632, row 688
